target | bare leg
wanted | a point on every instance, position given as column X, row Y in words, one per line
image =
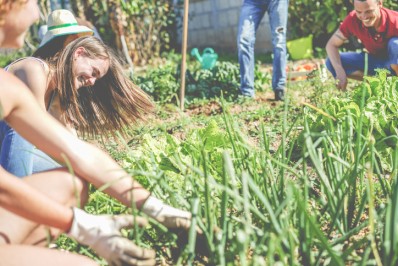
column 357, row 75
column 16, row 255
column 57, row 184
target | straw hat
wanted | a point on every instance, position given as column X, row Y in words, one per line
column 62, row 22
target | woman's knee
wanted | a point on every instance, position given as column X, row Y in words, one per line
column 76, row 190
column 61, row 186
column 11, row 255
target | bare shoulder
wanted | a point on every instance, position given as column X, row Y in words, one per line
column 29, row 66
column 12, row 93
column 34, row 73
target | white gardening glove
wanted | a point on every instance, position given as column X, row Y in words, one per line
column 168, row 216
column 102, row 234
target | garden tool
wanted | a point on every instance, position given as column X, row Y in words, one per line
column 208, row 58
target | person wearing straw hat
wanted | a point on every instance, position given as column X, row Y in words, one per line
column 48, row 73
column 62, row 28
column 41, row 198
column 84, row 87
column 17, row 154
column 62, row 22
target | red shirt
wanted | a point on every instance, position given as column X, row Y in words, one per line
column 374, row 41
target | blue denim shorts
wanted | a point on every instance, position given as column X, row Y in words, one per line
column 353, row 61
column 19, row 157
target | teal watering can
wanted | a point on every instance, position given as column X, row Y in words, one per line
column 208, row 58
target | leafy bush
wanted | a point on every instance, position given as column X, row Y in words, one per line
column 318, row 18
column 163, row 83
column 210, row 139
column 342, row 118
column 7, row 57
column 149, row 27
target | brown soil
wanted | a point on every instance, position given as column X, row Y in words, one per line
column 215, row 108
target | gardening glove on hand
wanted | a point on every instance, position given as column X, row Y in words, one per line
column 102, row 233
column 167, row 215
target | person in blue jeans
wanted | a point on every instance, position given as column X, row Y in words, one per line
column 252, row 12
column 377, row 29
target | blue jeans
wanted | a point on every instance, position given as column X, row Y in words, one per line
column 252, row 12
column 19, row 157
column 353, row 61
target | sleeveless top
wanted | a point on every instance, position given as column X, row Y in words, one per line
column 52, row 96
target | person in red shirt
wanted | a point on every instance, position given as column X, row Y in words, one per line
column 376, row 28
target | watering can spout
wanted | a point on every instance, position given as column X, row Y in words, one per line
column 195, row 53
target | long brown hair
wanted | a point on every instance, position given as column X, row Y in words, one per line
column 112, row 103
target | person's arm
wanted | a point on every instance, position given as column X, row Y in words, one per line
column 332, row 49
column 14, row 195
column 23, row 113
column 102, row 232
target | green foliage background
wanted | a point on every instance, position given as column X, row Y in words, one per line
column 152, row 27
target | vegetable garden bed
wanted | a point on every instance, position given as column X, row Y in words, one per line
column 273, row 183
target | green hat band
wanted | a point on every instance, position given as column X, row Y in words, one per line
column 62, row 26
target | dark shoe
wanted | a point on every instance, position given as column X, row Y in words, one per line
column 279, row 95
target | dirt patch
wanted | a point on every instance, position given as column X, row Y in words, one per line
column 211, row 108
column 215, row 108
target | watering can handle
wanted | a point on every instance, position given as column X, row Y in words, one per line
column 208, row 51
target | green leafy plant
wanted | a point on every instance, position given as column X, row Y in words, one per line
column 163, row 83
column 341, row 115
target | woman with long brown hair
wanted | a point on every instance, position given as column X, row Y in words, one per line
column 45, row 198
column 81, row 83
